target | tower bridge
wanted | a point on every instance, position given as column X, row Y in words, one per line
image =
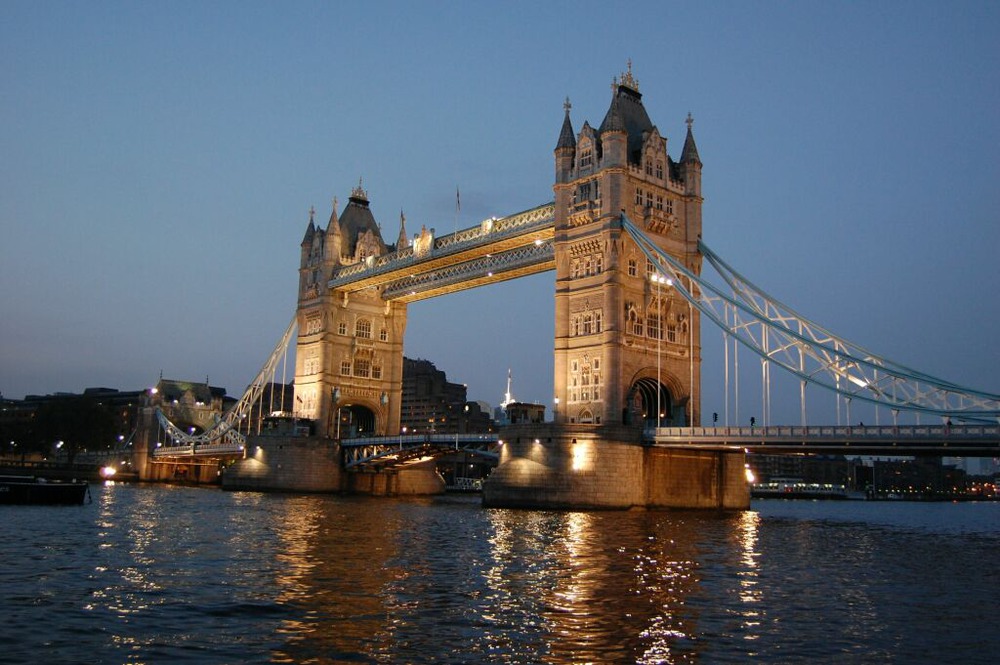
column 623, row 237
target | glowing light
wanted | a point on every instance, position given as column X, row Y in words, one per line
column 108, row 471
column 749, row 473
column 581, row 456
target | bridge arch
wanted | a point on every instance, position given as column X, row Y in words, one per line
column 355, row 420
column 641, row 401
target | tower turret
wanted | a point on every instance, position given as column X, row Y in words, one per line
column 565, row 148
column 333, row 238
column 691, row 162
column 402, row 241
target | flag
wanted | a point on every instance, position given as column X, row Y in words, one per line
column 458, row 200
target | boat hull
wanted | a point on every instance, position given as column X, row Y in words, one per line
column 33, row 491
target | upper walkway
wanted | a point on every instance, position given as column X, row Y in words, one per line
column 495, row 250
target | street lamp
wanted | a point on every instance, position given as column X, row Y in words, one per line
column 659, row 279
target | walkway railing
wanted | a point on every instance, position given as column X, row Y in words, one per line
column 944, row 440
column 385, row 451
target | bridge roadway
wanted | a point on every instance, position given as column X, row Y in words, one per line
column 906, row 440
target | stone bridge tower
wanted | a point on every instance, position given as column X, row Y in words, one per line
column 349, row 352
column 625, row 343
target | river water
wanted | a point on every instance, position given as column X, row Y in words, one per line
column 166, row 574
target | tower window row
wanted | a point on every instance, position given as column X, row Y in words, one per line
column 586, row 266
column 361, row 367
column 363, row 330
column 586, row 323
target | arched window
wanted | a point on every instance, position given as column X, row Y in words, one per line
column 586, row 416
column 363, row 328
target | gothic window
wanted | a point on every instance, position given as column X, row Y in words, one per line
column 586, row 157
column 383, row 335
column 598, row 264
column 362, row 367
column 669, row 204
column 671, row 332
column 633, row 268
column 363, row 328
column 342, row 328
column 649, row 167
column 650, row 268
column 575, row 272
column 659, row 170
column 597, row 322
column 345, row 368
column 586, row 417
column 596, row 364
column 649, row 199
column 575, row 366
column 376, row 371
column 659, row 202
column 588, row 324
column 638, row 196
column 636, row 323
column 653, row 325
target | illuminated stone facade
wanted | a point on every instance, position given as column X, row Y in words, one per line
column 621, row 336
column 349, row 352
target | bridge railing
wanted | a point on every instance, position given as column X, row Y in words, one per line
column 414, row 439
column 200, row 449
column 837, row 432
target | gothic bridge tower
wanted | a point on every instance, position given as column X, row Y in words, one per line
column 349, row 352
column 626, row 345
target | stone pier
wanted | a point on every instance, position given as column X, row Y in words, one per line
column 588, row 467
column 312, row 464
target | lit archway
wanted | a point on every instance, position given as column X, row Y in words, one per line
column 353, row 421
column 641, row 404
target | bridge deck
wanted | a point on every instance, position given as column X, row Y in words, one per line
column 951, row 441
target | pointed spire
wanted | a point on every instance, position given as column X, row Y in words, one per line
column 614, row 121
column 567, row 139
column 333, row 226
column 508, row 397
column 690, row 152
column 628, row 80
column 403, row 240
column 311, row 229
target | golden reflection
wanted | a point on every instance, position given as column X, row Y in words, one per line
column 296, row 559
column 750, row 592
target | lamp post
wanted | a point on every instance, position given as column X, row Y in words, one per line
column 336, row 411
column 659, row 279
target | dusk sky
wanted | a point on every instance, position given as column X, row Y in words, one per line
column 159, row 160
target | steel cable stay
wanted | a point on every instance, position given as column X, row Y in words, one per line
column 226, row 428
column 778, row 334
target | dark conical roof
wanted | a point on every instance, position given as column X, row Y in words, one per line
column 310, row 230
column 690, row 152
column 355, row 220
column 567, row 139
column 627, row 114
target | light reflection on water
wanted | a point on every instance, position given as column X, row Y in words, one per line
column 172, row 574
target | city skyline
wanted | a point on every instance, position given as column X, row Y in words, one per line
column 162, row 160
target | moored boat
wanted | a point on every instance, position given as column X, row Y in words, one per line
column 794, row 488
column 26, row 490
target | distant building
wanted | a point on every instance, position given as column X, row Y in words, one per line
column 431, row 403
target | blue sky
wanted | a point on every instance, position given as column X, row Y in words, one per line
column 160, row 159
